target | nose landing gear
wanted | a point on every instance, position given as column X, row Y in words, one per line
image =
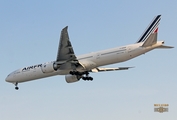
column 16, row 86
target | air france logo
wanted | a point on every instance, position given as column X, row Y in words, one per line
column 31, row 67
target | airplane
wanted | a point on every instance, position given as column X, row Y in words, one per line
column 78, row 67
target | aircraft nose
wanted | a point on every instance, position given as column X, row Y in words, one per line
column 8, row 78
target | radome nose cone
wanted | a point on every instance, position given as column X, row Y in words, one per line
column 7, row 79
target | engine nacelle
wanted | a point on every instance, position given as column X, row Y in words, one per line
column 48, row 67
column 71, row 78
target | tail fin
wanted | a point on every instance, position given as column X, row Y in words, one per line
column 151, row 40
column 149, row 37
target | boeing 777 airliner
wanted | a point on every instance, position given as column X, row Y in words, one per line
column 78, row 67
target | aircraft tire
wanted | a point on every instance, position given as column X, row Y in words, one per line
column 16, row 88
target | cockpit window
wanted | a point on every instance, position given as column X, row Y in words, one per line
column 16, row 72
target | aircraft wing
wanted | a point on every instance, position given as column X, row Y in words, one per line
column 109, row 69
column 65, row 49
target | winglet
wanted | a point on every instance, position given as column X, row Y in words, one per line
column 65, row 28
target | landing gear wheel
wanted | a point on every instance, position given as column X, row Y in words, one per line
column 16, row 88
column 71, row 72
column 87, row 78
column 74, row 73
column 84, row 78
column 90, row 78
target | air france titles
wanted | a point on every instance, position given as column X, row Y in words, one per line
column 31, row 67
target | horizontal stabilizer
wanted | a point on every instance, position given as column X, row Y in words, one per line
column 109, row 69
column 165, row 47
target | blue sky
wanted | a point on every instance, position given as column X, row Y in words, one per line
column 29, row 35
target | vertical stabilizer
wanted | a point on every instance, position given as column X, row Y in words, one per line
column 152, row 39
column 151, row 29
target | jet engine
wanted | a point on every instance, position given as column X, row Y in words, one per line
column 49, row 67
column 72, row 78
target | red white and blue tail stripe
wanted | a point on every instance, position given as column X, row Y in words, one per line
column 152, row 28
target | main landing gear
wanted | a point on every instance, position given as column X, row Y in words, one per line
column 87, row 78
column 16, row 86
column 86, row 73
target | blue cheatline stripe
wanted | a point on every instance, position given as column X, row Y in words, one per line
column 151, row 27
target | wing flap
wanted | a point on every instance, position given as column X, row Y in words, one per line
column 109, row 69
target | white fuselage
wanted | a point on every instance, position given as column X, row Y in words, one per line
column 100, row 58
